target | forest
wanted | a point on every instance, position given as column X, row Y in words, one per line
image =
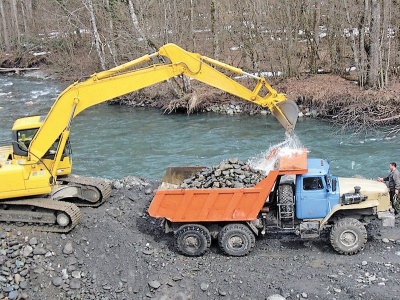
column 342, row 57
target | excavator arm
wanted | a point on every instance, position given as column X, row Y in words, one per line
column 123, row 79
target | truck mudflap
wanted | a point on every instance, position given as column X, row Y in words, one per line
column 369, row 204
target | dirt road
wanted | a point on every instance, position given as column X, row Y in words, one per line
column 119, row 252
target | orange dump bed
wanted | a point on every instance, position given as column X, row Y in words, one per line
column 204, row 205
column 226, row 204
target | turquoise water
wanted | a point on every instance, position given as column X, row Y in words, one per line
column 116, row 141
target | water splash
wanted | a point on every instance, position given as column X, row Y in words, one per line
column 267, row 160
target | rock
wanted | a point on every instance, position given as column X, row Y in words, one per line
column 13, row 295
column 33, row 241
column 17, row 278
column 275, row 297
column 68, row 249
column 228, row 174
column 154, row 284
column 24, row 284
column 385, row 240
column 222, row 292
column 117, row 185
column 304, row 295
column 75, row 284
column 114, row 212
column 57, row 281
column 364, row 263
column 39, row 251
column 26, row 251
column 204, row 286
column 76, row 274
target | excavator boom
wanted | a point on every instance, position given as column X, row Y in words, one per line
column 121, row 80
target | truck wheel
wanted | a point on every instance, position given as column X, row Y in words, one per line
column 193, row 239
column 236, row 239
column 348, row 236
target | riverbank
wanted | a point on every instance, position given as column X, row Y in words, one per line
column 325, row 96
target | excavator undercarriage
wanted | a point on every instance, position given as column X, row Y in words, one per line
column 41, row 214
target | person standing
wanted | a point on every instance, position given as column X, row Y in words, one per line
column 392, row 181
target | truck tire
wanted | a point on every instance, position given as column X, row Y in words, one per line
column 236, row 239
column 348, row 236
column 285, row 192
column 193, row 239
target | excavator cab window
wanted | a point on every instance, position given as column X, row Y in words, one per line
column 53, row 149
column 22, row 140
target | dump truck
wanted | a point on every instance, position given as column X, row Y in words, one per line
column 299, row 196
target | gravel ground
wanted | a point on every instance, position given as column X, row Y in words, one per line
column 119, row 252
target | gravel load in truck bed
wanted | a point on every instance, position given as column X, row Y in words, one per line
column 232, row 173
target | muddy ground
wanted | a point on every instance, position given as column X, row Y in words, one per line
column 119, row 252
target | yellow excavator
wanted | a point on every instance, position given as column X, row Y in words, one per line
column 36, row 185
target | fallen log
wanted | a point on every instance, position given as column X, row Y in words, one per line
column 16, row 70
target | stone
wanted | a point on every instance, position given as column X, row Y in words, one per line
column 364, row 263
column 154, row 284
column 13, row 295
column 68, row 249
column 76, row 274
column 24, row 284
column 39, row 251
column 385, row 240
column 57, row 281
column 204, row 286
column 275, row 297
column 75, row 284
column 33, row 241
column 26, row 251
column 17, row 278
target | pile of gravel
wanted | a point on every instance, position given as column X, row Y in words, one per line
column 233, row 173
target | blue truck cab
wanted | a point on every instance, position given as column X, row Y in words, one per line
column 317, row 191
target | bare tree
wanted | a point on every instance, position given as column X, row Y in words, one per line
column 6, row 38
column 374, row 53
column 96, row 35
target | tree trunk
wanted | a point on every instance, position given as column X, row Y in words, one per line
column 192, row 25
column 386, row 43
column 4, row 25
column 354, row 47
column 96, row 35
column 14, row 13
column 110, row 43
column 214, row 33
column 374, row 54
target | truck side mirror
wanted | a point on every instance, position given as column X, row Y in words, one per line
column 333, row 182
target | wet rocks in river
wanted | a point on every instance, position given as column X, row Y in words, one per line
column 233, row 173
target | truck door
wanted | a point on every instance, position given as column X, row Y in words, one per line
column 311, row 196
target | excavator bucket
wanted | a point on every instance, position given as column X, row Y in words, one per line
column 175, row 175
column 286, row 112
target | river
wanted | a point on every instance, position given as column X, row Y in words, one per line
column 114, row 141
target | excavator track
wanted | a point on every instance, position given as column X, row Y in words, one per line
column 98, row 189
column 41, row 214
